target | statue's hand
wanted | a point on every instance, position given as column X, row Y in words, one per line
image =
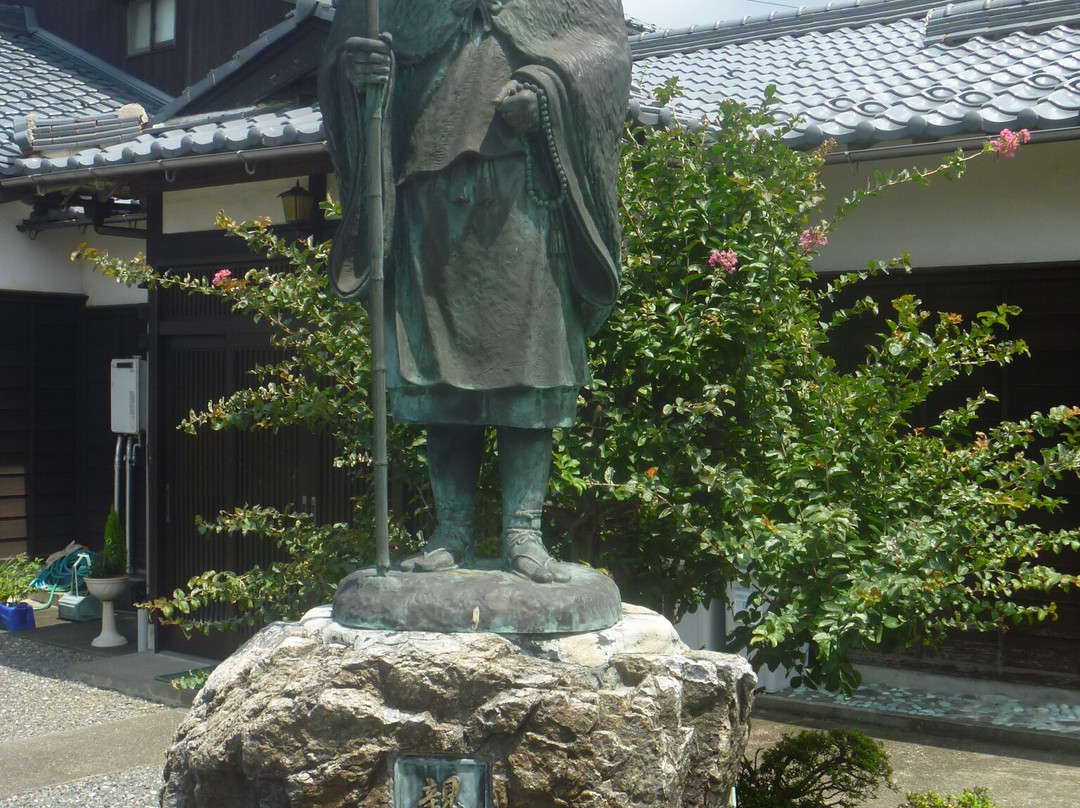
column 366, row 61
column 519, row 107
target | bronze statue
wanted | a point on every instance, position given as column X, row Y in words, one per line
column 502, row 123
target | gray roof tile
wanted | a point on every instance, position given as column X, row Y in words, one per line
column 860, row 72
column 883, row 70
column 45, row 77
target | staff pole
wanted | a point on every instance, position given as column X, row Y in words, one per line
column 374, row 182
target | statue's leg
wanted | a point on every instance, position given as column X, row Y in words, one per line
column 524, row 466
column 454, row 455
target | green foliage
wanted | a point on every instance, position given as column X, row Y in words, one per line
column 112, row 561
column 321, row 382
column 315, row 558
column 815, row 769
column 718, row 442
column 16, row 575
column 976, row 798
column 193, row 679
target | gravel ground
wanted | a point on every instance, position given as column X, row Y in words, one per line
column 36, row 700
column 134, row 789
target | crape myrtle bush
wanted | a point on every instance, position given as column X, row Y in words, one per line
column 718, row 441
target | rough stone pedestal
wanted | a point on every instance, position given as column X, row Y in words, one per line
column 309, row 713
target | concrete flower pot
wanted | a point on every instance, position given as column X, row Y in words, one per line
column 108, row 590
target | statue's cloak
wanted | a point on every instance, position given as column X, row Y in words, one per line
column 576, row 51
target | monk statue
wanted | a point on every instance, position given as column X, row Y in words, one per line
column 502, row 127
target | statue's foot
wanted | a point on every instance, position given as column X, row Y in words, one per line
column 525, row 555
column 448, row 548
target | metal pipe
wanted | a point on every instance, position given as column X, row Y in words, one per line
column 150, row 629
column 120, row 232
column 131, row 444
column 117, row 463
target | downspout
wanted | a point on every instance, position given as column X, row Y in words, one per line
column 103, row 229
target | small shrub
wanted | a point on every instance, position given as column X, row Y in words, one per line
column 16, row 575
column 837, row 768
column 975, row 798
column 112, row 561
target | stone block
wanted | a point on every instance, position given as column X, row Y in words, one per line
column 312, row 713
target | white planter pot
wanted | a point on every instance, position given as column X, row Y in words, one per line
column 107, row 590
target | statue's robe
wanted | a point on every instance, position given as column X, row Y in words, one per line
column 502, row 251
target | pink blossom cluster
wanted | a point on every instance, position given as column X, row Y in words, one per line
column 724, row 259
column 222, row 277
column 1008, row 141
column 812, row 238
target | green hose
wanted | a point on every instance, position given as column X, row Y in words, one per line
column 66, row 573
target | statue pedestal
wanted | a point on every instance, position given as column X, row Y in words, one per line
column 317, row 713
column 484, row 598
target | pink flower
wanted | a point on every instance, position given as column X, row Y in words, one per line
column 812, row 238
column 221, row 277
column 1008, row 141
column 725, row 259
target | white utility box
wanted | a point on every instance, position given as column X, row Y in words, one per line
column 129, row 396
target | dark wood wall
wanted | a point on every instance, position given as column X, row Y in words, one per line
column 111, row 332
column 55, row 440
column 208, row 33
column 39, row 406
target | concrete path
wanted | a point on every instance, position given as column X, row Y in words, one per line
column 64, row 757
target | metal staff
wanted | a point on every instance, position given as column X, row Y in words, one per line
column 374, row 191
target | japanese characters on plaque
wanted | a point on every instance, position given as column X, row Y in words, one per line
column 436, row 782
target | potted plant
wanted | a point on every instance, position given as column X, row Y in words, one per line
column 108, row 580
column 16, row 576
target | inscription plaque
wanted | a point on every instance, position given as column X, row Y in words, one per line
column 438, row 782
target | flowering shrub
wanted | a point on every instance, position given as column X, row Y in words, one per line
column 1008, row 142
column 724, row 259
column 718, row 442
column 812, row 238
column 322, row 381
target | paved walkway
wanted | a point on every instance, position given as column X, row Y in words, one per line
column 111, row 748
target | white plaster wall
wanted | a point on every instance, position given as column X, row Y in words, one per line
column 44, row 263
column 1004, row 211
column 698, row 628
column 195, row 210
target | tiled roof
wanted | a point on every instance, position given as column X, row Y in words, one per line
column 859, row 72
column 44, row 77
column 190, row 137
column 867, row 72
column 171, row 135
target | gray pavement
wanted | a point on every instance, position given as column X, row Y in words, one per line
column 116, row 745
column 111, row 748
